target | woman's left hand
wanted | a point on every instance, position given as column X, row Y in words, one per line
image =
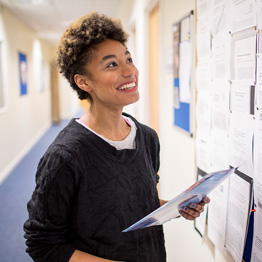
column 194, row 210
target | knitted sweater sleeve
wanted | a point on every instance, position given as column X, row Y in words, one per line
column 153, row 147
column 46, row 229
column 155, row 153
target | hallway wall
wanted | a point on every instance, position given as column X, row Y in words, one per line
column 24, row 118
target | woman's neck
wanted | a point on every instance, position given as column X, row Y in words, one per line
column 109, row 124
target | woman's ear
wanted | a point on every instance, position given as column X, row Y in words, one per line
column 82, row 82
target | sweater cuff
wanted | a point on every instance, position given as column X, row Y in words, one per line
column 58, row 253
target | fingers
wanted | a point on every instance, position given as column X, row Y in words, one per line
column 194, row 210
column 204, row 201
column 191, row 212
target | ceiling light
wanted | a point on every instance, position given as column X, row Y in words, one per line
column 41, row 2
column 32, row 2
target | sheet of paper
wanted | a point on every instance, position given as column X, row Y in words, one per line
column 257, row 235
column 244, row 59
column 194, row 194
column 176, row 36
column 185, row 29
column 244, row 15
column 203, row 113
column 203, row 7
column 220, row 149
column 259, row 13
column 220, row 104
column 203, row 36
column 259, row 41
column 220, row 16
column 242, row 97
column 241, row 140
column 203, row 75
column 185, row 58
column 221, row 45
column 258, row 100
column 217, row 215
column 203, row 152
column 239, row 204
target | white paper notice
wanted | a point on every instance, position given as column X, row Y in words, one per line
column 259, row 42
column 220, row 149
column 185, row 57
column 203, row 75
column 257, row 235
column 203, row 36
column 220, row 104
column 237, row 216
column 220, row 16
column 203, row 152
column 245, row 59
column 259, row 82
column 221, row 56
column 259, row 13
column 242, row 97
column 217, row 211
column 203, row 113
column 244, row 14
column 185, row 29
column 241, row 139
column 203, row 7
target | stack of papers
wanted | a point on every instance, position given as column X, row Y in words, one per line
column 194, row 194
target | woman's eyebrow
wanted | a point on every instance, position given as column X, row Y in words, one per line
column 112, row 56
column 107, row 57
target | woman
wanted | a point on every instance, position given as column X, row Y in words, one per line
column 99, row 176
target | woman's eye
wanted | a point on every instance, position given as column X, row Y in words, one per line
column 129, row 60
column 113, row 64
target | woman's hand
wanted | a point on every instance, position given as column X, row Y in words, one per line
column 194, row 210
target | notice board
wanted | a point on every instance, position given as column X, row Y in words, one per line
column 183, row 54
column 229, row 120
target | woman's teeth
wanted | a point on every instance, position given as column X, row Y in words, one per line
column 127, row 86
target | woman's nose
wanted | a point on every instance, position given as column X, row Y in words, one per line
column 128, row 71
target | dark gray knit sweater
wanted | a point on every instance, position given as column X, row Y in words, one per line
column 87, row 192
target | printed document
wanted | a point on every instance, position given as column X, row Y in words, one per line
column 194, row 194
column 241, row 140
column 257, row 235
column 239, row 208
column 245, row 59
column 244, row 15
column 220, row 104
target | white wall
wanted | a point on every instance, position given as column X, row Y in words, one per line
column 25, row 118
column 177, row 149
column 69, row 103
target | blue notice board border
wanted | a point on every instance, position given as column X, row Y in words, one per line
column 182, row 114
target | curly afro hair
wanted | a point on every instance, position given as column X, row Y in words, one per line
column 78, row 42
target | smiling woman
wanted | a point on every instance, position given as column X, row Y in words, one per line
column 99, row 176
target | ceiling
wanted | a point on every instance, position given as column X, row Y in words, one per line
column 51, row 17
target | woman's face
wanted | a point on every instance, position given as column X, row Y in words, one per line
column 113, row 78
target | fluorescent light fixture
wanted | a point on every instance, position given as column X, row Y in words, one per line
column 32, row 2
column 21, row 1
column 41, row 2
